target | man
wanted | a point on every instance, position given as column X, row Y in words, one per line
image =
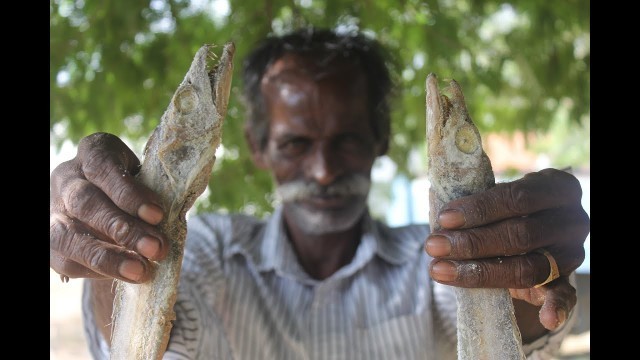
column 319, row 279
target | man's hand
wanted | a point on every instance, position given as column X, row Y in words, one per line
column 101, row 218
column 489, row 240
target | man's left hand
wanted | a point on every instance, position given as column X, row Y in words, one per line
column 496, row 238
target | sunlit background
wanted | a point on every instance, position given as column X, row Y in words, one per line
column 524, row 68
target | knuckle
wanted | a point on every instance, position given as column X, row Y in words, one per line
column 124, row 195
column 121, row 229
column 66, row 254
column 96, row 165
column 70, row 269
column 57, row 261
column 584, row 224
column 566, row 184
column 525, row 273
column 572, row 261
column 62, row 170
column 66, row 268
column 61, row 230
column 79, row 196
column 57, row 230
column 473, row 274
column 110, row 177
column 101, row 148
column 61, row 175
column 563, row 292
column 97, row 258
column 466, row 243
column 521, row 234
column 94, row 140
column 481, row 211
column 518, row 197
column 74, row 252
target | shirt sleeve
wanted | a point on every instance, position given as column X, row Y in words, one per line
column 180, row 346
column 445, row 320
column 98, row 347
column 197, row 332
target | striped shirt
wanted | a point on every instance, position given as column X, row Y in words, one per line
column 243, row 295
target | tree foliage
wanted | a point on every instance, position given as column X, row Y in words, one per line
column 114, row 66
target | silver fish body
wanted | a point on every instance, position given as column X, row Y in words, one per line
column 177, row 164
column 458, row 166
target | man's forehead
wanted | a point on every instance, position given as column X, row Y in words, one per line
column 292, row 65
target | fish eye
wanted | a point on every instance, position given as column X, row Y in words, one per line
column 186, row 100
column 467, row 140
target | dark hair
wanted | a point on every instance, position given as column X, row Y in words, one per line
column 366, row 52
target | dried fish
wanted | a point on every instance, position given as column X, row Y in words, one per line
column 177, row 164
column 458, row 166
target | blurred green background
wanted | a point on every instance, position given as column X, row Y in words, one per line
column 524, row 67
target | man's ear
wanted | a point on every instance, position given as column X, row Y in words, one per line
column 257, row 153
column 383, row 146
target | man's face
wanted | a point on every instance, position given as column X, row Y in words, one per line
column 321, row 145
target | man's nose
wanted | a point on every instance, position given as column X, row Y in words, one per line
column 325, row 165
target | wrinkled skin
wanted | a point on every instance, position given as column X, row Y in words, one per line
column 317, row 137
column 541, row 210
column 97, row 214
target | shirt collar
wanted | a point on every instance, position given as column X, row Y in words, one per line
column 270, row 248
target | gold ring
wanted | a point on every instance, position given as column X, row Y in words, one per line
column 554, row 273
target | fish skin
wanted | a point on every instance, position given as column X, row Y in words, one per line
column 458, row 166
column 178, row 159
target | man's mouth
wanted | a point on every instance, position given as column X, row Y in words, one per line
column 328, row 202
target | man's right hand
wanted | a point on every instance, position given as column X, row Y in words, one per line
column 101, row 219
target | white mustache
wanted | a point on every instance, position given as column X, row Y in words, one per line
column 352, row 185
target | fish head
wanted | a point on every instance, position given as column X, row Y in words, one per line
column 454, row 142
column 455, row 136
column 200, row 102
column 190, row 130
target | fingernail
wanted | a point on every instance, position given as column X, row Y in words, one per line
column 451, row 219
column 444, row 271
column 437, row 245
column 562, row 316
column 132, row 270
column 150, row 213
column 148, row 247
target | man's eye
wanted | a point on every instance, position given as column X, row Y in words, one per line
column 293, row 147
column 350, row 143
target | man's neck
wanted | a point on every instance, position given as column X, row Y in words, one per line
column 322, row 255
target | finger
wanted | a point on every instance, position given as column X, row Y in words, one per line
column 534, row 295
column 557, row 298
column 80, row 245
column 545, row 189
column 59, row 176
column 520, row 271
column 89, row 205
column 556, row 227
column 108, row 163
column 71, row 269
column 560, row 299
